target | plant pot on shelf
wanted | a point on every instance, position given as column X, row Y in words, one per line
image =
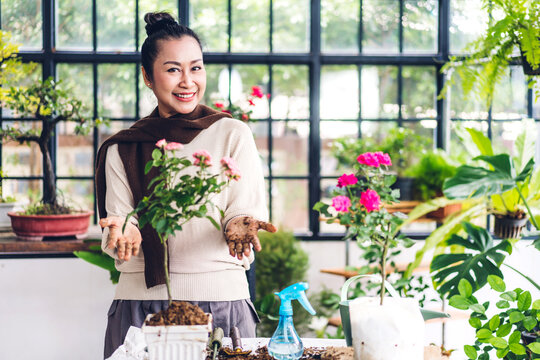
column 405, row 185
column 508, row 228
column 442, row 212
column 172, row 342
column 36, row 227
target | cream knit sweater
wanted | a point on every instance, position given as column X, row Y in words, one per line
column 201, row 268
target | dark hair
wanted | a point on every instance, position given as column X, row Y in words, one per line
column 161, row 26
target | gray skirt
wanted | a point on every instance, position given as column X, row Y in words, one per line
column 225, row 314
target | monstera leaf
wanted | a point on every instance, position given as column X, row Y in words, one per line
column 483, row 259
column 96, row 257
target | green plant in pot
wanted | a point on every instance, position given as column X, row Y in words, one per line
column 513, row 30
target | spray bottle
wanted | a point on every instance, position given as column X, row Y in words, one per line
column 285, row 343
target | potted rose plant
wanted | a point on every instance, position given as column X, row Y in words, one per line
column 357, row 203
column 177, row 196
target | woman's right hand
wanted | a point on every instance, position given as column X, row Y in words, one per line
column 128, row 243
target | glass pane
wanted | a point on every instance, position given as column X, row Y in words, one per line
column 465, row 106
column 334, row 155
column 217, row 89
column 74, row 24
column 290, row 205
column 327, row 186
column 290, row 147
column 339, row 92
column 339, row 26
column 32, row 77
column 21, row 159
column 510, row 98
column 209, row 19
column 77, row 193
column 115, row 25
column 290, row 92
column 78, row 79
column 146, row 6
column 243, row 78
column 419, row 92
column 536, row 104
column 291, row 26
column 457, row 149
column 425, row 128
column 107, row 131
column 504, row 135
column 379, row 92
column 26, row 191
column 116, row 93
column 259, row 129
column 75, row 152
column 380, row 26
column 376, row 131
column 420, row 26
column 147, row 99
column 467, row 22
column 23, row 19
column 250, row 26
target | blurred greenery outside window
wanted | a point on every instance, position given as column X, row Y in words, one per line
column 366, row 85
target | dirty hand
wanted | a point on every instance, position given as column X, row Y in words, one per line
column 242, row 232
column 127, row 243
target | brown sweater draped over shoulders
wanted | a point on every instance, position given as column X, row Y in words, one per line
column 135, row 146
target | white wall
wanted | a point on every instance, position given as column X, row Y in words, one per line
column 56, row 308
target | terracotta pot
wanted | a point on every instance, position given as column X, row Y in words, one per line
column 509, row 228
column 36, row 227
column 442, row 212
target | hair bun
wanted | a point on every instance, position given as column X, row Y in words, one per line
column 158, row 21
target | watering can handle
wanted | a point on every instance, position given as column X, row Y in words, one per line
column 387, row 285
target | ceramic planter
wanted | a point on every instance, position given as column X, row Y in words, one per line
column 173, row 342
column 36, row 227
column 509, row 228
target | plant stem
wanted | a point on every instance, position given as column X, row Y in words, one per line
column 533, row 220
column 166, row 267
column 383, row 268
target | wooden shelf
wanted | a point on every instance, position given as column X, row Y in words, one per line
column 350, row 273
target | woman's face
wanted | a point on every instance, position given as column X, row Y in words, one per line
column 179, row 78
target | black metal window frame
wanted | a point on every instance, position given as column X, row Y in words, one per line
column 49, row 57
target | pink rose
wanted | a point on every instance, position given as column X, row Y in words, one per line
column 202, row 158
column 341, row 203
column 383, row 158
column 161, row 143
column 219, row 105
column 369, row 159
column 346, row 180
column 257, row 91
column 231, row 169
column 245, row 117
column 174, row 146
column 251, row 102
column 371, row 200
column 226, row 111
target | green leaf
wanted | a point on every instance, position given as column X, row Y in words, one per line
column 524, row 301
column 515, row 337
column 509, row 295
column 470, row 351
column 459, row 302
column 498, row 342
column 503, row 304
column 484, row 334
column 464, row 288
column 535, row 347
column 496, row 283
column 529, row 323
column 482, row 142
column 515, row 317
column 517, row 349
column 494, row 322
column 475, row 322
column 156, row 154
column 216, row 225
column 102, row 260
column 478, row 308
column 536, row 304
column 504, row 330
column 502, row 352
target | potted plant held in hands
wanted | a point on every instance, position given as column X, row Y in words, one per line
column 47, row 102
column 182, row 190
column 358, row 204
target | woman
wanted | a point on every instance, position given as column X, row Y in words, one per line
column 207, row 266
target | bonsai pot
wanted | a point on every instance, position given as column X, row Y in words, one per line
column 36, row 227
column 509, row 228
column 172, row 342
column 405, row 185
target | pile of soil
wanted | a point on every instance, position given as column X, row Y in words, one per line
column 179, row 313
column 310, row 353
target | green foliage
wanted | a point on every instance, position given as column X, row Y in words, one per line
column 282, row 262
column 502, row 332
column 430, row 173
column 490, row 55
column 346, row 148
column 97, row 257
column 242, row 112
column 11, row 67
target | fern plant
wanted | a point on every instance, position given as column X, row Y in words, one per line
column 518, row 30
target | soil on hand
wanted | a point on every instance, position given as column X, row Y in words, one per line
column 262, row 354
column 179, row 313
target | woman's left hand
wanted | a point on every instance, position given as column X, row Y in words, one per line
column 241, row 233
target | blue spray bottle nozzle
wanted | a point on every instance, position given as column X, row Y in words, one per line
column 294, row 292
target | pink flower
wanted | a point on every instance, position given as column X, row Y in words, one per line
column 251, row 102
column 231, row 169
column 245, row 117
column 174, row 146
column 219, row 105
column 341, row 203
column 369, row 159
column 202, row 158
column 226, row 111
column 371, row 200
column 346, row 180
column 383, row 158
column 257, row 91
column 161, row 143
